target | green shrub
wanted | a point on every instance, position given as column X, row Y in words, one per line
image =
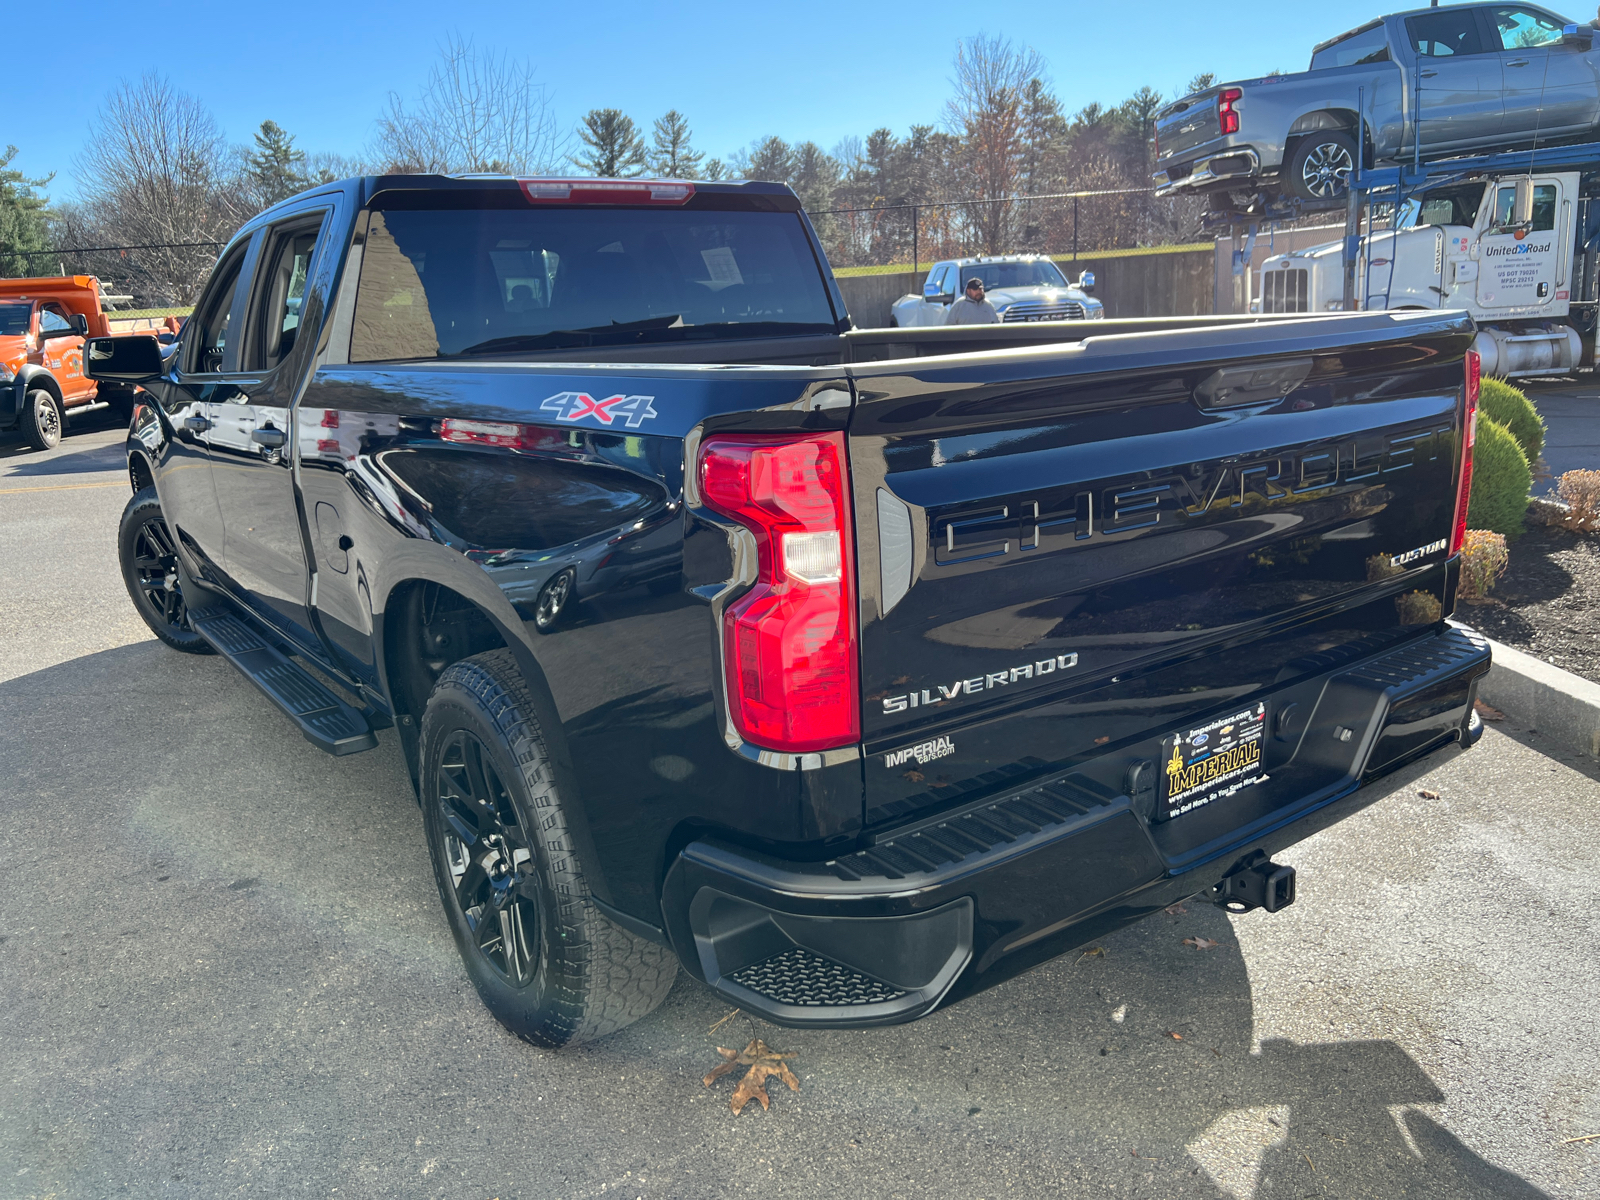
column 1512, row 408
column 1501, row 480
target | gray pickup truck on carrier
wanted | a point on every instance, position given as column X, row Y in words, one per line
column 852, row 671
column 1466, row 77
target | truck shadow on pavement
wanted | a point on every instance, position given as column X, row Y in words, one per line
column 1065, row 1081
column 14, row 461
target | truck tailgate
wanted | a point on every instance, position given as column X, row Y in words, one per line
column 1064, row 552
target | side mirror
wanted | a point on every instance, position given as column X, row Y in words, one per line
column 80, row 324
column 1581, row 36
column 930, row 292
column 1086, row 281
column 1522, row 204
column 134, row 359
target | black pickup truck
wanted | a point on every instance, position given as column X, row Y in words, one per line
column 854, row 671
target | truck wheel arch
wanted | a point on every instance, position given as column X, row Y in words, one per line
column 35, row 377
column 1321, row 120
column 408, row 676
column 140, row 474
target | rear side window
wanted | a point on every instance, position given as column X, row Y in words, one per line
column 1448, row 33
column 440, row 283
column 1370, row 45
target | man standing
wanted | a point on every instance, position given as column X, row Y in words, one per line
column 972, row 309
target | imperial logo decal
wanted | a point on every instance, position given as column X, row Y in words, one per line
column 980, row 683
column 924, row 753
column 578, row 406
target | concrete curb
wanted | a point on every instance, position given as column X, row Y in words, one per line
column 1555, row 702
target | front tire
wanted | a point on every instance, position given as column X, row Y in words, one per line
column 1321, row 166
column 41, row 420
column 149, row 557
column 545, row 961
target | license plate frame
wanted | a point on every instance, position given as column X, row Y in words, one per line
column 1213, row 761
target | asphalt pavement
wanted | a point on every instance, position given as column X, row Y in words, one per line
column 224, row 971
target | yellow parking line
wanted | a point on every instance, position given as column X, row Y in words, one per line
column 65, row 487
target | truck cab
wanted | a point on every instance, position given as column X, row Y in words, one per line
column 1459, row 245
column 43, row 326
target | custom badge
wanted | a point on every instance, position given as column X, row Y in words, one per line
column 580, row 406
column 1213, row 761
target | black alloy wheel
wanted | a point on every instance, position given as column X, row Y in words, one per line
column 545, row 960
column 1322, row 165
column 41, row 420
column 487, row 853
column 149, row 559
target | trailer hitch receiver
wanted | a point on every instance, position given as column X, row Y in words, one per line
column 1261, row 884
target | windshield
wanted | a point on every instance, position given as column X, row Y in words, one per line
column 1037, row 273
column 440, row 283
column 1448, row 206
column 14, row 319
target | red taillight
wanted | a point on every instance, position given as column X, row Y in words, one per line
column 1227, row 119
column 606, row 191
column 1469, row 437
column 789, row 643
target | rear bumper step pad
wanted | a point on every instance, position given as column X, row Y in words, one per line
column 327, row 722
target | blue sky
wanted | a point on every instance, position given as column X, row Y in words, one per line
column 738, row 71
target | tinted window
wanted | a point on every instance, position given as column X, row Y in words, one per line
column 53, row 322
column 209, row 327
column 1041, row 273
column 280, row 291
column 1363, row 46
column 14, row 319
column 1448, row 33
column 1523, row 28
column 1544, row 207
column 437, row 283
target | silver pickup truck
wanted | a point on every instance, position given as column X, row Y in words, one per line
column 1488, row 76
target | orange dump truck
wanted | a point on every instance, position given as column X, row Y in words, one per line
column 43, row 325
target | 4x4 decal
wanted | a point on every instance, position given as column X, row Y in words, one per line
column 576, row 406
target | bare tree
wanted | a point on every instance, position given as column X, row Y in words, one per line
column 478, row 111
column 155, row 175
column 987, row 112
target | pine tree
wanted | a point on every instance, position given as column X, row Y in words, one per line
column 616, row 151
column 671, row 155
column 276, row 170
column 23, row 224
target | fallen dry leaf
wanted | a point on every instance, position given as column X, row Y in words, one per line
column 1487, row 713
column 1177, row 1037
column 1175, row 910
column 1428, row 795
column 723, row 1021
column 1092, row 952
column 762, row 1061
column 1200, row 943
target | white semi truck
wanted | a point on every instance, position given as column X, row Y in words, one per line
column 1521, row 265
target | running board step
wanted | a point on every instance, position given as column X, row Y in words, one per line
column 327, row 722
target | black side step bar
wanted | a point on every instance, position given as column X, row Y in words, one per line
column 327, row 722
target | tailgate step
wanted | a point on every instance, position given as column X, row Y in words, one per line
column 327, row 722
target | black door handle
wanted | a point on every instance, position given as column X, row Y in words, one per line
column 267, row 436
column 196, row 424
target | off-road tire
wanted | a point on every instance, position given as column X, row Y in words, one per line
column 1320, row 154
column 42, row 420
column 147, row 551
column 591, row 977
